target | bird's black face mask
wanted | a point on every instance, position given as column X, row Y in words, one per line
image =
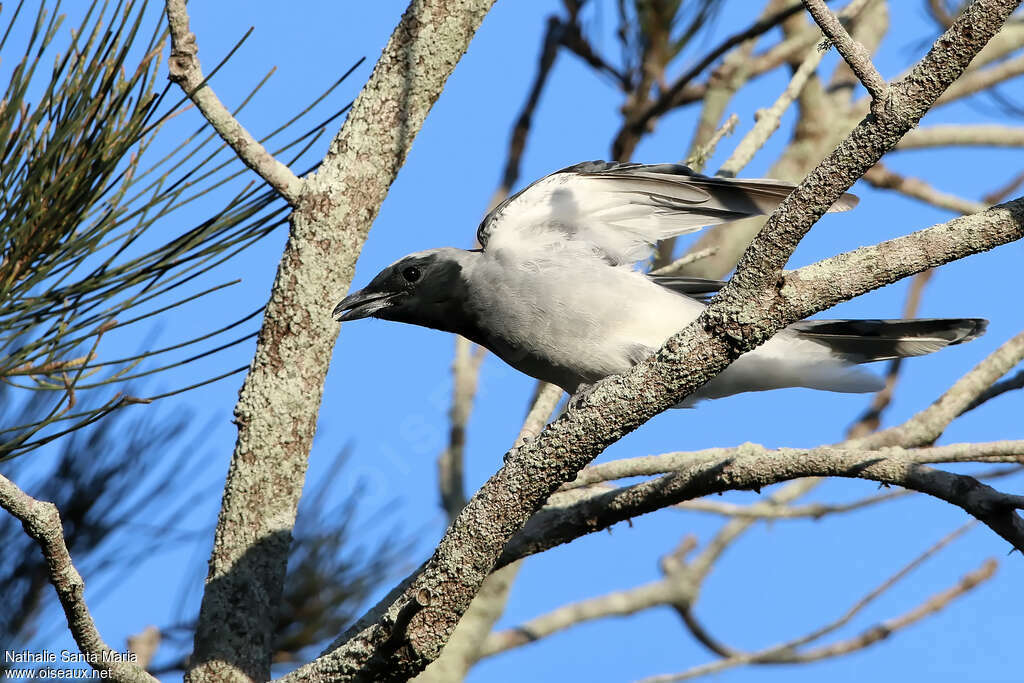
column 420, row 289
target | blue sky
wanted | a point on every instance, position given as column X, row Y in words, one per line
column 387, row 392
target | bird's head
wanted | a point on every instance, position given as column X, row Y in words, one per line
column 424, row 288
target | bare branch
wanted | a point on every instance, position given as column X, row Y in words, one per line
column 677, row 589
column 685, row 260
column 648, row 465
column 465, row 372
column 748, row 311
column 856, row 56
column 929, row 424
column 998, row 389
column 751, row 467
column 1005, row 191
column 881, row 177
column 280, row 399
column 768, row 119
column 620, row 603
column 41, row 521
column 784, row 652
column 771, row 510
column 185, row 71
column 700, row 156
column 980, row 80
column 985, row 135
column 631, row 129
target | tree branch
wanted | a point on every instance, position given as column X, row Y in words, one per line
column 748, row 311
column 631, row 129
column 985, row 135
column 185, row 71
column 882, row 178
column 278, row 405
column 855, row 54
column 41, row 521
column 784, row 652
column 980, row 80
column 752, row 467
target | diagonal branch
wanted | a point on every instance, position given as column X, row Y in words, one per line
column 747, row 312
column 669, row 98
column 277, row 410
column 185, row 71
column 41, row 521
column 784, row 652
column 855, row 54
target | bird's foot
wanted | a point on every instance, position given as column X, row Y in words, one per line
column 583, row 391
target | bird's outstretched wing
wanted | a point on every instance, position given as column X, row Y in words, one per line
column 620, row 210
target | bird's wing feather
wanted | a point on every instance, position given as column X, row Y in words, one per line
column 694, row 287
column 620, row 210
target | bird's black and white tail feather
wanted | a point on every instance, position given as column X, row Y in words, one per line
column 866, row 341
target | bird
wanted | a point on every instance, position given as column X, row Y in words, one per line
column 555, row 288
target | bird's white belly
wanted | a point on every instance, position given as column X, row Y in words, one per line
column 559, row 327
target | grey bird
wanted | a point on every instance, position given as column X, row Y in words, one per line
column 555, row 293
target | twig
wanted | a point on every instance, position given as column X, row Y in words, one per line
column 985, row 135
column 771, row 510
column 929, row 424
column 1005, row 191
column 144, row 645
column 881, row 177
column 677, row 588
column 998, row 389
column 685, row 260
column 700, row 156
column 513, row 160
column 768, row 119
column 465, row 373
column 41, row 521
column 185, row 71
column 649, row 465
column 572, row 38
column 783, row 653
column 856, row 56
column 668, row 99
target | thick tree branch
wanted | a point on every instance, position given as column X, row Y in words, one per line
column 41, row 521
column 747, row 312
column 278, row 405
column 185, row 71
column 573, row 514
column 980, row 80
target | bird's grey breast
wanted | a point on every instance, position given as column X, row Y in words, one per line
column 555, row 322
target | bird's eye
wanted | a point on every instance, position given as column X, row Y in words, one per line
column 411, row 274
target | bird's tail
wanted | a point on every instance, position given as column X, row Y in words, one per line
column 865, row 341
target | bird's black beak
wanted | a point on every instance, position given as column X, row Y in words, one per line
column 362, row 304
